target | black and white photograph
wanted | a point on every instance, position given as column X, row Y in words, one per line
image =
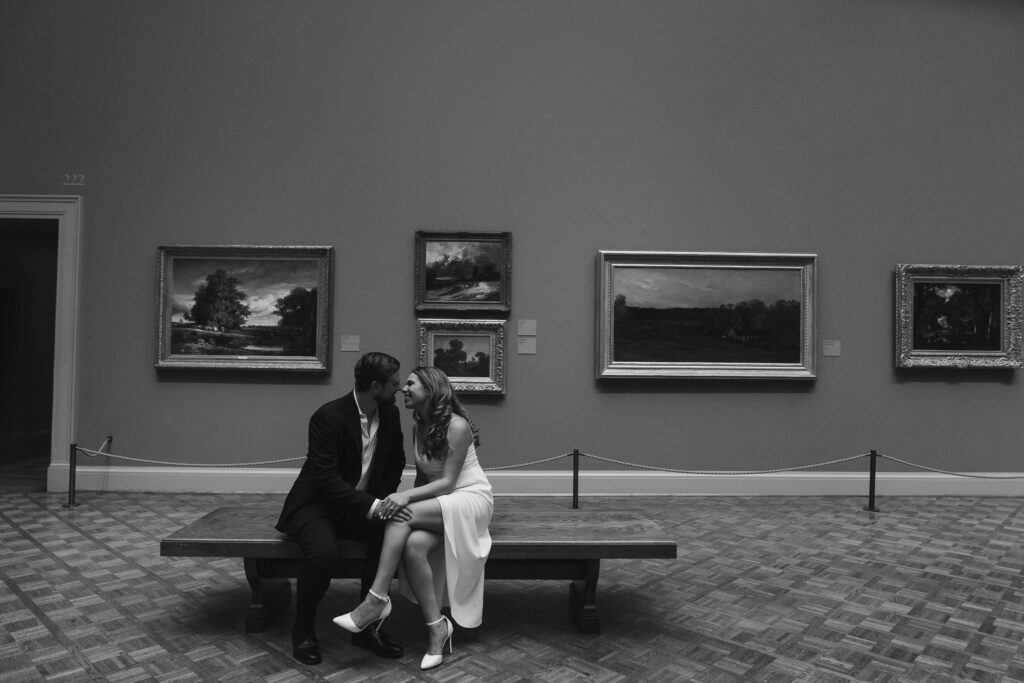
column 276, row 407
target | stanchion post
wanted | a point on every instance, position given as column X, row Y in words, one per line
column 72, row 464
column 575, row 479
column 871, row 482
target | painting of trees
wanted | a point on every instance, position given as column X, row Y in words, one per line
column 470, row 352
column 454, row 361
column 955, row 316
column 219, row 303
column 252, row 306
column 463, row 271
column 732, row 332
column 298, row 312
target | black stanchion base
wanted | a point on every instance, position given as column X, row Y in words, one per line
column 871, row 509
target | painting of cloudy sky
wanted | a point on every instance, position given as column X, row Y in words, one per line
column 264, row 281
column 704, row 314
column 704, row 287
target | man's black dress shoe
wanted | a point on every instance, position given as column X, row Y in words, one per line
column 307, row 652
column 378, row 643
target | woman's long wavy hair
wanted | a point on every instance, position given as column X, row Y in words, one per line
column 440, row 405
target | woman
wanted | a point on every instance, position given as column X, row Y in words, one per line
column 449, row 507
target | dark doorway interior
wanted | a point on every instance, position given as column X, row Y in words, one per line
column 28, row 298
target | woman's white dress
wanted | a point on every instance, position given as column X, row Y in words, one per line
column 459, row 570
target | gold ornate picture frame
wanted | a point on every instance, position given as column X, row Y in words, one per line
column 957, row 316
column 470, row 352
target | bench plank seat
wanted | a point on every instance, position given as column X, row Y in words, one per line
column 527, row 543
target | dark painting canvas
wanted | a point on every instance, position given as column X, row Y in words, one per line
column 707, row 314
column 957, row 316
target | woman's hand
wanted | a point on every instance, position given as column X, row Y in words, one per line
column 395, row 507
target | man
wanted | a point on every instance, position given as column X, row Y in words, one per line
column 355, row 459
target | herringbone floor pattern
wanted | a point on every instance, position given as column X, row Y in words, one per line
column 764, row 589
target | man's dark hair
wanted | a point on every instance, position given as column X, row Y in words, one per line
column 374, row 367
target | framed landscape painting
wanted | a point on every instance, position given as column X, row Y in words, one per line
column 705, row 315
column 463, row 271
column 470, row 352
column 244, row 307
column 958, row 316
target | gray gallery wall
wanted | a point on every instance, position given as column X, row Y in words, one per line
column 869, row 132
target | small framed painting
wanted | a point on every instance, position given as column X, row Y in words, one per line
column 705, row 315
column 470, row 352
column 463, row 271
column 244, row 307
column 952, row 316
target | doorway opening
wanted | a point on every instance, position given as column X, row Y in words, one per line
column 28, row 304
column 39, row 247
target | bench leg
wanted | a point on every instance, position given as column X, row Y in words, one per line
column 266, row 597
column 583, row 599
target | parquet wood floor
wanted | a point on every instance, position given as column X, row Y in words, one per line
column 765, row 589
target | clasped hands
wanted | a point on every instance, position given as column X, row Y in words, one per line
column 395, row 507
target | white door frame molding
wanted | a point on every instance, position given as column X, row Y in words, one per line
column 67, row 211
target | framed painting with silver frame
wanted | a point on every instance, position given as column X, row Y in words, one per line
column 668, row 314
column 463, row 271
column 955, row 316
column 470, row 352
column 244, row 307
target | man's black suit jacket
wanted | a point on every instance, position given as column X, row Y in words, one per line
column 326, row 483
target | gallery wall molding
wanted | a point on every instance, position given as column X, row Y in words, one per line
column 556, row 482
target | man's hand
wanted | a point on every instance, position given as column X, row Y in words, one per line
column 395, row 507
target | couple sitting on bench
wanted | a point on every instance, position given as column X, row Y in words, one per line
column 434, row 535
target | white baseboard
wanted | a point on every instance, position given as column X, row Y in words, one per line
column 557, row 482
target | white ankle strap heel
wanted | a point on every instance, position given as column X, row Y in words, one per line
column 348, row 623
column 429, row 660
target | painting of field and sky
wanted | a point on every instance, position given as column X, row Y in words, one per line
column 705, row 314
column 463, row 271
column 464, row 355
column 470, row 352
column 253, row 305
column 261, row 307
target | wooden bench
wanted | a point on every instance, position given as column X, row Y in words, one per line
column 527, row 543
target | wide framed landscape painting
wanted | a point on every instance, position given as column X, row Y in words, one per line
column 244, row 307
column 470, row 352
column 705, row 315
column 463, row 271
column 954, row 316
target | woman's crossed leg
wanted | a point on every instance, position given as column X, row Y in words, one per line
column 409, row 541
